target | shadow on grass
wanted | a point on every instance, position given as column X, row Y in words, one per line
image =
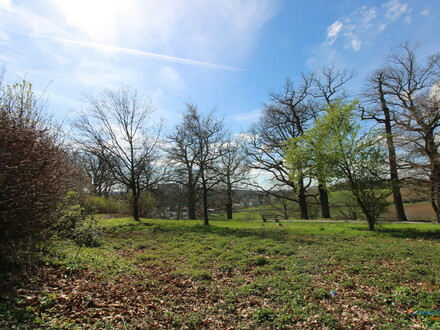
column 405, row 232
column 411, row 233
column 277, row 233
column 174, row 229
column 260, row 233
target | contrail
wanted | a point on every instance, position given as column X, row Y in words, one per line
column 153, row 56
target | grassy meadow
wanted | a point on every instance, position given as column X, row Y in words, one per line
column 233, row 275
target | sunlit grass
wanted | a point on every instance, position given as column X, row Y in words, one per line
column 252, row 274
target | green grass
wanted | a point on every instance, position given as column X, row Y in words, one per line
column 241, row 274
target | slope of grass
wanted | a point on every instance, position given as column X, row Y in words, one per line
column 235, row 274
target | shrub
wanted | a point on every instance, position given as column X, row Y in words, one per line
column 102, row 205
column 88, row 234
column 35, row 173
column 70, row 214
column 78, row 224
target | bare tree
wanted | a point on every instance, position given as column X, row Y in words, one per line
column 232, row 171
column 413, row 91
column 195, row 149
column 98, row 171
column 115, row 130
column 330, row 83
column 380, row 111
column 182, row 155
column 285, row 118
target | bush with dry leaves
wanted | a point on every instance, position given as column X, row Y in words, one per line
column 35, row 173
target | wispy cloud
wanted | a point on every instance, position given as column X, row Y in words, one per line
column 5, row 4
column 363, row 24
column 426, row 12
column 248, row 116
column 134, row 52
column 214, row 31
column 333, row 31
column 394, row 9
column 171, row 78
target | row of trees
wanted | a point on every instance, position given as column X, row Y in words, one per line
column 401, row 98
column 404, row 98
column 119, row 153
column 307, row 140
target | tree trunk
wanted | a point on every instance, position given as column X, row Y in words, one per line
column 323, row 198
column 135, row 205
column 229, row 203
column 371, row 224
column 394, row 175
column 191, row 191
column 178, row 210
column 434, row 205
column 191, row 205
column 205, row 205
column 204, row 197
column 285, row 208
column 398, row 201
column 371, row 221
column 434, row 182
column 302, row 200
column 434, row 176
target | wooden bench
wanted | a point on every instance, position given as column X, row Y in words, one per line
column 274, row 217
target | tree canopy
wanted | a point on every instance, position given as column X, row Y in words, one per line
column 337, row 149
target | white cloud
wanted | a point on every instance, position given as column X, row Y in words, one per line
column 354, row 42
column 221, row 31
column 206, row 31
column 361, row 26
column 333, row 31
column 381, row 27
column 22, row 19
column 394, row 9
column 162, row 46
column 99, row 20
column 369, row 15
column 5, row 4
column 127, row 51
column 426, row 12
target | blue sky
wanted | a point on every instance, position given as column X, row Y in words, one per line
column 224, row 54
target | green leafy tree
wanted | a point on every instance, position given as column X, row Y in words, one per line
column 336, row 149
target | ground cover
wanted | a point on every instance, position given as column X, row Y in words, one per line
column 234, row 274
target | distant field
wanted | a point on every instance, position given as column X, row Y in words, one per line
column 236, row 275
column 414, row 211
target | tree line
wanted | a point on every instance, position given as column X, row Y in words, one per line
column 199, row 155
column 307, row 140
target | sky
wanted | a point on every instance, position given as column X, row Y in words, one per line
column 219, row 54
